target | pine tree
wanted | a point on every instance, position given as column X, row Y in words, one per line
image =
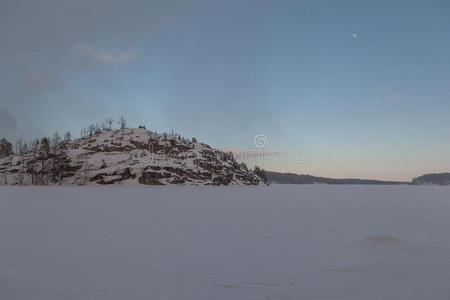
column 61, row 163
column 44, row 153
column 260, row 173
column 45, row 146
column 5, row 148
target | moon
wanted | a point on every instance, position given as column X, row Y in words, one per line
column 354, row 35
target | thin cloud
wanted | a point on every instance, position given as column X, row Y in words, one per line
column 385, row 88
column 41, row 80
column 33, row 79
column 106, row 56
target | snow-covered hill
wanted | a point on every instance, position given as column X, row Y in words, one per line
column 127, row 156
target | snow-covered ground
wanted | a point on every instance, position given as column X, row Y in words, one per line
column 216, row 243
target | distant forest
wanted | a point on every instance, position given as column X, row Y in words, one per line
column 291, row 178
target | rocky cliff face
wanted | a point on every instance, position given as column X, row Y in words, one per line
column 127, row 156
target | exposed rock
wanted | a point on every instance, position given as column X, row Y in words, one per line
column 150, row 178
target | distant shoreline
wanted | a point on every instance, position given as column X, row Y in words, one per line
column 441, row 179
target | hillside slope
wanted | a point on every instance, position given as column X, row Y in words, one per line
column 126, row 156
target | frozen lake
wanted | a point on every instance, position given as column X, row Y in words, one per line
column 276, row 242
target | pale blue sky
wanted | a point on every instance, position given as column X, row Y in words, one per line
column 361, row 88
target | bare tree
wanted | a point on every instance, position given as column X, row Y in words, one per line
column 56, row 139
column 91, row 129
column 19, row 147
column 67, row 136
column 97, row 129
column 25, row 148
column 109, row 123
column 122, row 123
column 35, row 145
